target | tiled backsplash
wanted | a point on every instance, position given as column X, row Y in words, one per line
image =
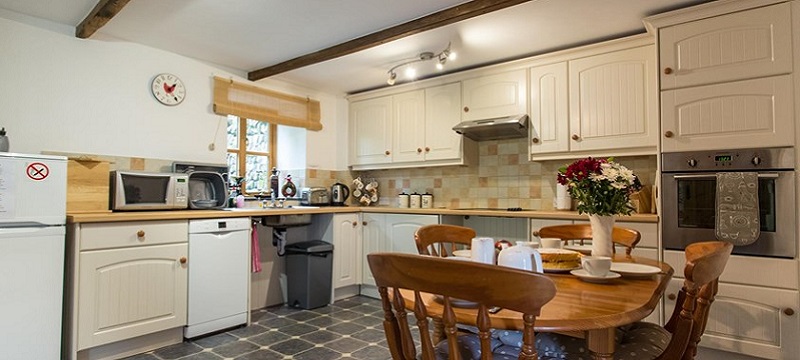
column 503, row 178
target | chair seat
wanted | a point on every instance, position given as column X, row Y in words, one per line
column 639, row 341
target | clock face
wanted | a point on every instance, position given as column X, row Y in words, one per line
column 168, row 89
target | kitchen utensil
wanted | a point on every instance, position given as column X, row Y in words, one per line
column 339, row 194
column 551, row 243
column 520, row 257
column 483, row 250
column 586, row 276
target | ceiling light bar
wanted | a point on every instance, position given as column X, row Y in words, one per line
column 411, row 73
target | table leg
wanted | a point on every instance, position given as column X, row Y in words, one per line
column 438, row 330
column 601, row 343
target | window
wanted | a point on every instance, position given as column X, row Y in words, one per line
column 251, row 152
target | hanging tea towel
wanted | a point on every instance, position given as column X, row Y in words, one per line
column 737, row 208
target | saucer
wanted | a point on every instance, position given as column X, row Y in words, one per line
column 636, row 271
column 583, row 275
column 462, row 253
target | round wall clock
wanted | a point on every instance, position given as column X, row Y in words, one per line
column 168, row 89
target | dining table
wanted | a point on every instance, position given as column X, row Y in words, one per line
column 592, row 311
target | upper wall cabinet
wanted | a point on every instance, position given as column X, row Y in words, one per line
column 598, row 101
column 409, row 129
column 741, row 45
column 494, row 96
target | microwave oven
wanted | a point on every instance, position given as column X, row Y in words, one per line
column 138, row 190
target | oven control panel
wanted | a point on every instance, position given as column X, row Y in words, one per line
column 729, row 160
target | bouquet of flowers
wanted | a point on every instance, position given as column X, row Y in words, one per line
column 601, row 186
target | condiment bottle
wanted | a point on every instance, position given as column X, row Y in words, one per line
column 414, row 201
column 402, row 200
column 3, row 140
column 427, row 201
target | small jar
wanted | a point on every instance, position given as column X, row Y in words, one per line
column 414, row 201
column 427, row 201
column 402, row 200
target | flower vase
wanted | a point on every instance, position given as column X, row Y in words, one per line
column 602, row 227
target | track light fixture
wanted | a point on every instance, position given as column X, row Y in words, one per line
column 411, row 73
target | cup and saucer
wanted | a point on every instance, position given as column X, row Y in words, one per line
column 595, row 269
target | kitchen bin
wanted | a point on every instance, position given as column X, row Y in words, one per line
column 309, row 267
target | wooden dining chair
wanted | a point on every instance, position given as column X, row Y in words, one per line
column 619, row 235
column 441, row 240
column 678, row 339
column 486, row 285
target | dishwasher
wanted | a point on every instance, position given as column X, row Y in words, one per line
column 219, row 275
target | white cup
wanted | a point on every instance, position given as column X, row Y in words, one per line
column 551, row 243
column 482, row 250
column 529, row 244
column 596, row 265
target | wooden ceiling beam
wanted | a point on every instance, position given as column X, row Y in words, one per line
column 438, row 19
column 99, row 16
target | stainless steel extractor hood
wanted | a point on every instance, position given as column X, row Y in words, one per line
column 509, row 127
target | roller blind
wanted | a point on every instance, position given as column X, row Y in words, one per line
column 253, row 102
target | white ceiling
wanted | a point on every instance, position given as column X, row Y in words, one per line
column 252, row 34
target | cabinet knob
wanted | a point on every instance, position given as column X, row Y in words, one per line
column 419, row 150
column 466, row 108
column 575, row 137
column 668, row 134
column 355, row 223
column 364, row 223
column 672, row 297
column 427, row 149
column 387, row 152
column 788, row 311
column 667, row 71
column 140, row 234
column 535, row 140
column 536, row 233
column 183, row 260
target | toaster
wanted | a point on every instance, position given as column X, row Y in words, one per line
column 314, row 196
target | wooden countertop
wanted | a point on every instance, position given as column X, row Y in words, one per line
column 98, row 217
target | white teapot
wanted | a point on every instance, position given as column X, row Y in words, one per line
column 522, row 257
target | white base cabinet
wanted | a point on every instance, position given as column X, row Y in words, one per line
column 126, row 281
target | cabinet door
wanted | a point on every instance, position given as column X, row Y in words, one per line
column 400, row 229
column 741, row 114
column 743, row 45
column 347, row 248
column 748, row 319
column 549, row 113
column 494, row 96
column 442, row 112
column 614, row 100
column 374, row 239
column 127, row 292
column 408, row 119
column 371, row 131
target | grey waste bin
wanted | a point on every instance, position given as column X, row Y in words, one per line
column 309, row 265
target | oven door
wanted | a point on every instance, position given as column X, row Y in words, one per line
column 689, row 212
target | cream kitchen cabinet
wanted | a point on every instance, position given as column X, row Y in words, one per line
column 600, row 100
column 740, row 114
column 496, row 95
column 442, row 112
column 737, row 46
column 127, row 280
column 344, row 232
column 371, row 131
column 408, row 126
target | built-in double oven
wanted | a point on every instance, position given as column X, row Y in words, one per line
column 689, row 187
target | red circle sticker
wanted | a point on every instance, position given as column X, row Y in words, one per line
column 37, row 171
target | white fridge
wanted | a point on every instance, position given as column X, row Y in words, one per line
column 32, row 227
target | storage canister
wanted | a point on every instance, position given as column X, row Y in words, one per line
column 427, row 201
column 414, row 201
column 402, row 200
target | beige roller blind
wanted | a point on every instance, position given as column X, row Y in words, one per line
column 253, row 102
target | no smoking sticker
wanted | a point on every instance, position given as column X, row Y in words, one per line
column 37, row 171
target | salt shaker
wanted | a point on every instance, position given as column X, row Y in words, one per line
column 414, row 201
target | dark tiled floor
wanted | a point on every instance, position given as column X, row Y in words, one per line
column 348, row 329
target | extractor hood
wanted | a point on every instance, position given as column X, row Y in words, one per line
column 509, row 127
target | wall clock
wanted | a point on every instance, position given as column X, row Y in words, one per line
column 168, row 89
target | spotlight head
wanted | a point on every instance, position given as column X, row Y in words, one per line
column 439, row 66
column 411, row 73
column 392, row 78
column 451, row 55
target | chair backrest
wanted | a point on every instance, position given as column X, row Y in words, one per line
column 619, row 235
column 486, row 285
column 442, row 240
column 705, row 262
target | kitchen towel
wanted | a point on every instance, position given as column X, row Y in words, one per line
column 737, row 208
column 256, row 249
column 482, row 250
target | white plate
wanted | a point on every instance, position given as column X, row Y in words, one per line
column 634, row 270
column 560, row 270
column 585, row 276
column 463, row 253
column 583, row 249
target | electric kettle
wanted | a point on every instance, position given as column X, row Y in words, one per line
column 339, row 194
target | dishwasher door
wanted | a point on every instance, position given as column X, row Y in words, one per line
column 219, row 274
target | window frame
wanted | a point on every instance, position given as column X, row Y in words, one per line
column 242, row 151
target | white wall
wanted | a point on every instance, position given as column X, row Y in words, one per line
column 60, row 93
